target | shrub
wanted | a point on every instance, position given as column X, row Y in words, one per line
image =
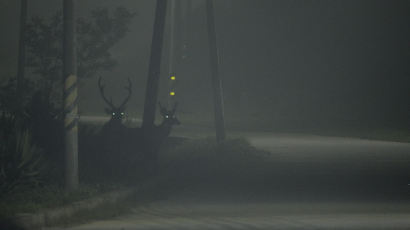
column 21, row 162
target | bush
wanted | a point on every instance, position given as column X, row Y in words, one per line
column 21, row 162
column 103, row 159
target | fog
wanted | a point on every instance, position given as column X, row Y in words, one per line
column 316, row 105
column 303, row 63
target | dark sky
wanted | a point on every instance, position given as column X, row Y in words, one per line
column 306, row 60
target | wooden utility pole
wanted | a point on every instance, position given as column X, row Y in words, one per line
column 70, row 97
column 186, row 25
column 21, row 54
column 216, row 81
column 171, row 53
column 151, row 93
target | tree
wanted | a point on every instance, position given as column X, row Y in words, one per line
column 21, row 52
column 96, row 35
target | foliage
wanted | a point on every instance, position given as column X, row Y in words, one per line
column 111, row 158
column 46, row 125
column 41, row 118
column 21, row 162
column 96, row 35
column 50, row 196
column 8, row 96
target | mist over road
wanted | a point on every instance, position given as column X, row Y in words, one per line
column 305, row 182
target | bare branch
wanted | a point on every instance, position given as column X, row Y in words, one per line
column 162, row 109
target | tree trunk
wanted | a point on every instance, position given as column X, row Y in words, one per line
column 70, row 97
column 151, row 93
column 21, row 54
column 216, row 81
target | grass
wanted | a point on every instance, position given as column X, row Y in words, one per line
column 111, row 210
column 177, row 157
column 32, row 200
column 182, row 162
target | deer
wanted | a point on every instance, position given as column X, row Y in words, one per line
column 162, row 131
column 142, row 143
column 115, row 125
column 153, row 137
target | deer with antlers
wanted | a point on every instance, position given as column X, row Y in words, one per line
column 143, row 144
column 120, row 148
column 162, row 131
column 116, row 112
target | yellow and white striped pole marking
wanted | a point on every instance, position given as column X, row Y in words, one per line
column 71, row 103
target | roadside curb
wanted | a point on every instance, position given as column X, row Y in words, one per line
column 49, row 217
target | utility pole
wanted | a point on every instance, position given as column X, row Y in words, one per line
column 21, row 54
column 216, row 81
column 151, row 93
column 70, row 96
column 171, row 52
column 186, row 25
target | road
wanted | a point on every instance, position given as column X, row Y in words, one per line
column 306, row 182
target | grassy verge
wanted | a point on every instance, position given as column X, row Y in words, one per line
column 112, row 210
column 181, row 162
column 32, row 200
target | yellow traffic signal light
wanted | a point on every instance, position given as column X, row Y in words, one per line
column 173, row 78
column 172, row 93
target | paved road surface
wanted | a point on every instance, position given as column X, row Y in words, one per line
column 312, row 182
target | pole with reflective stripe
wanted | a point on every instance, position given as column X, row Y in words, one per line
column 70, row 98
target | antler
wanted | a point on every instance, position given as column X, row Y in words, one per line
column 128, row 88
column 174, row 109
column 101, row 87
column 162, row 110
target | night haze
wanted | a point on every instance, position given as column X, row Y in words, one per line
column 312, row 117
column 288, row 61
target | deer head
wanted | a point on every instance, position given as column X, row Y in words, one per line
column 116, row 112
column 168, row 116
